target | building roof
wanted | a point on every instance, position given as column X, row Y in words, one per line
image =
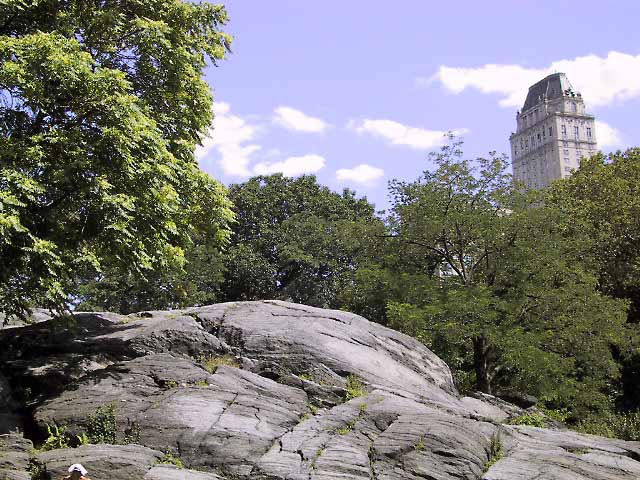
column 550, row 88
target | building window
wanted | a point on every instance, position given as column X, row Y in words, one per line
column 578, row 154
column 574, row 107
column 566, row 160
column 576, row 131
column 588, row 132
column 550, row 131
column 538, row 137
column 564, row 130
column 566, row 152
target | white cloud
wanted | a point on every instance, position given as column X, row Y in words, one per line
column 606, row 135
column 293, row 119
column 360, row 174
column 291, row 166
column 229, row 136
column 601, row 80
column 399, row 134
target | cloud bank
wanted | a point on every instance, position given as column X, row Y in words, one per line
column 295, row 120
column 363, row 173
column 398, row 134
column 601, row 80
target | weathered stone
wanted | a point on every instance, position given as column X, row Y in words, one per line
column 14, row 457
column 115, row 462
column 171, row 472
column 287, row 411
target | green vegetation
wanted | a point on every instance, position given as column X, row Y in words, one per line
column 170, row 459
column 103, row 106
column 58, row 438
column 102, row 426
column 354, row 388
column 211, row 363
column 420, row 445
column 496, row 451
column 202, row 383
column 349, row 426
column 37, row 470
column 615, row 425
column 531, row 419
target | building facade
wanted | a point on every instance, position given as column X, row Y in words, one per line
column 554, row 132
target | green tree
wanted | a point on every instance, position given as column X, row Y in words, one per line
column 101, row 106
column 295, row 239
column 497, row 288
column 602, row 199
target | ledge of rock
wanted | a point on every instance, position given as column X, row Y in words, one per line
column 267, row 390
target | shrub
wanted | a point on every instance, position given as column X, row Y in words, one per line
column 58, row 438
column 171, row 459
column 211, row 363
column 532, row 419
column 496, row 451
column 101, row 427
column 37, row 470
column 354, row 387
column 625, row 426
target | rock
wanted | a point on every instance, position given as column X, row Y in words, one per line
column 115, row 462
column 273, row 391
column 171, row 472
column 14, row 457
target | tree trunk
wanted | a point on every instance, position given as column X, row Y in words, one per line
column 481, row 364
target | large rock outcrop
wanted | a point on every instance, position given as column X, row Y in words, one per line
column 268, row 390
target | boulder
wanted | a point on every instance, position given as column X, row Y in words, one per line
column 14, row 457
column 272, row 391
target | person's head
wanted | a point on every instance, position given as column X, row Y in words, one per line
column 76, row 470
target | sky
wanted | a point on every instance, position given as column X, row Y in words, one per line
column 358, row 92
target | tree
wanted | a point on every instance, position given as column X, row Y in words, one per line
column 101, row 106
column 602, row 200
column 498, row 289
column 295, row 239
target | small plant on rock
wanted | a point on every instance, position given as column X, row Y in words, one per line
column 496, row 451
column 37, row 470
column 171, row 459
column 211, row 363
column 533, row 419
column 354, row 387
column 58, row 438
column 420, row 445
column 102, row 427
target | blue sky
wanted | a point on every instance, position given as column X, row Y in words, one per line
column 359, row 92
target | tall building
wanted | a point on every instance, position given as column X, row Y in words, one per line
column 553, row 133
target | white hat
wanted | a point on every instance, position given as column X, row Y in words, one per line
column 76, row 467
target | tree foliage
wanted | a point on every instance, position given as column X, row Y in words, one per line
column 502, row 295
column 101, row 106
column 295, row 239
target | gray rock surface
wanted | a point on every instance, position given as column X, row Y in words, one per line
column 273, row 390
column 14, row 457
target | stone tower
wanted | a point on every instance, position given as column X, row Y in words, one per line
column 553, row 133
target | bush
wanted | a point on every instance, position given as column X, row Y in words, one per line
column 58, row 438
column 625, row 426
column 496, row 451
column 533, row 419
column 171, row 459
column 354, row 387
column 101, row 427
column 211, row 363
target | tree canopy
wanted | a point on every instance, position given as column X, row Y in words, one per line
column 502, row 293
column 101, row 106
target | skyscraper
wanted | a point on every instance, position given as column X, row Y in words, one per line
column 553, row 133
